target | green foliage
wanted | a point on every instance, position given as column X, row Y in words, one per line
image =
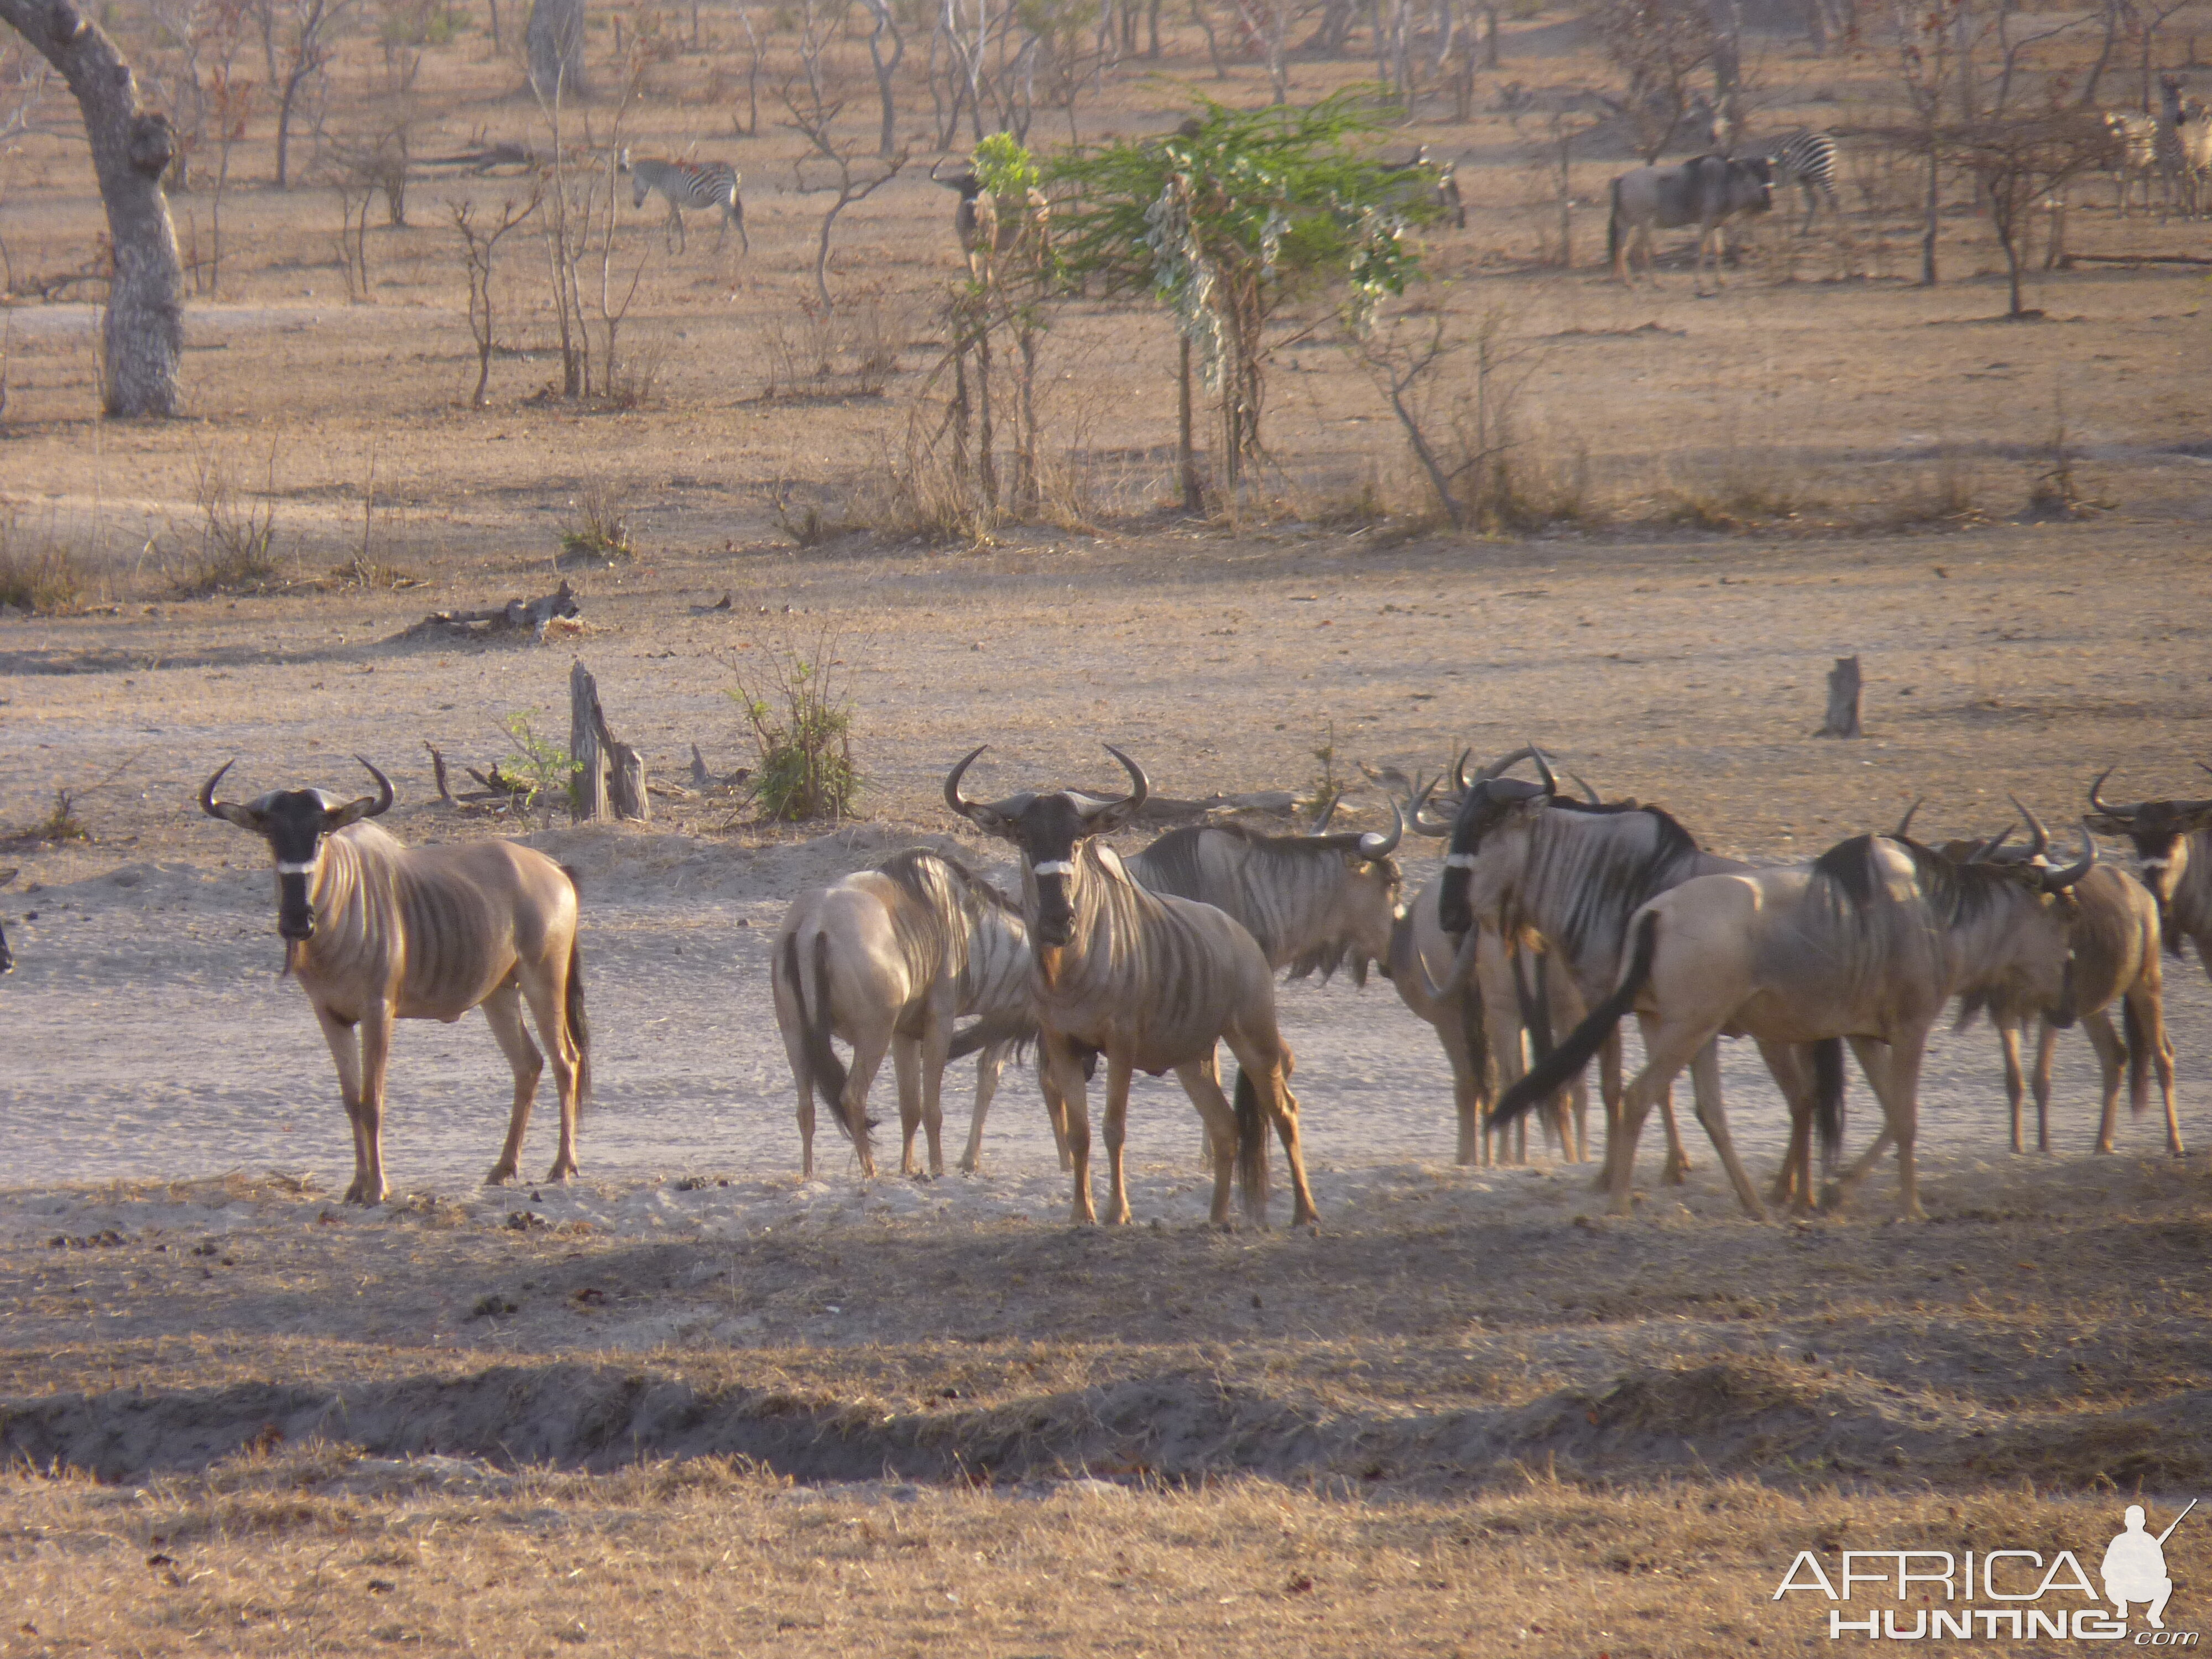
column 539, row 767
column 1003, row 167
column 1232, row 213
column 802, row 724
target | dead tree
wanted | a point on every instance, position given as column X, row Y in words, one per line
column 555, row 40
column 1843, row 721
column 827, row 169
column 611, row 774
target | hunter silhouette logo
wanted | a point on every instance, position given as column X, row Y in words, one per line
column 2000, row 1594
column 2135, row 1567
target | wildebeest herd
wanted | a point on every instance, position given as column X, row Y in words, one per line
column 1554, row 916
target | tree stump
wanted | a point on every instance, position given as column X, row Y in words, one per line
column 1843, row 721
column 612, row 773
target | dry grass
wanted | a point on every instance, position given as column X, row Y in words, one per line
column 317, row 1551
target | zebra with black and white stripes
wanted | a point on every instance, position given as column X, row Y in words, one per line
column 1808, row 161
column 689, row 185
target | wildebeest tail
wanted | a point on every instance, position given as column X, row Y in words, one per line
column 2138, row 1042
column 829, row 1072
column 1018, row 1029
column 1554, row 1072
column 1828, row 1100
column 1251, row 1148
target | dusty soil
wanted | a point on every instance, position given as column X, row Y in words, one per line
column 1469, row 1415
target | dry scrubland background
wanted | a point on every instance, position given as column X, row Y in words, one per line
column 1467, row 1418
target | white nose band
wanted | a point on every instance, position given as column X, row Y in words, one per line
column 306, row 869
column 1053, row 867
column 1459, row 860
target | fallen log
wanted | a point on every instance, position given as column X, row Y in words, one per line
column 539, row 616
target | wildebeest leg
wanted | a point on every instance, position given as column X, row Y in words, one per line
column 1667, row 1052
column 548, row 994
column 1706, row 1082
column 868, row 1052
column 1202, row 1083
column 2146, row 1005
column 989, row 1064
column 2016, row 1084
column 2111, row 1062
column 936, row 1042
column 375, row 1061
column 503, row 1014
column 345, row 1051
column 1268, row 1065
column 1678, row 1160
column 906, row 1066
column 1117, row 1130
column 1609, row 1094
column 1055, row 1111
column 1893, row 1070
column 1467, row 1102
column 1066, row 1077
column 1793, row 1181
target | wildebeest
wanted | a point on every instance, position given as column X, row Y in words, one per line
column 375, row 931
column 1311, row 901
column 1707, row 192
column 1150, row 982
column 2112, row 941
column 1439, row 181
column 1523, row 859
column 886, row 959
column 989, row 225
column 1869, row 942
column 2172, row 840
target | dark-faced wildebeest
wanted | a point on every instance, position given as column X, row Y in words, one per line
column 1867, row 942
column 375, row 931
column 2112, row 935
column 887, row 958
column 988, row 226
column 2172, row 840
column 1707, row 192
column 1152, row 982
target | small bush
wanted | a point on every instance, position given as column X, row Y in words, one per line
column 598, row 526
column 851, row 352
column 539, row 767
column 61, row 823
column 801, row 722
column 236, row 534
column 43, row 582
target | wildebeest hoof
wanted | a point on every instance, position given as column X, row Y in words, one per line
column 561, row 1172
column 500, row 1175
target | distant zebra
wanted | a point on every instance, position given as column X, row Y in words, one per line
column 689, row 184
column 2184, row 147
column 1808, row 161
column 2134, row 141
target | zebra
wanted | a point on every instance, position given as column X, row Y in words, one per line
column 2184, row 146
column 689, row 184
column 2134, row 140
column 1808, row 160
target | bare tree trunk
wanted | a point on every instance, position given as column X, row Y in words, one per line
column 131, row 147
column 589, row 799
column 1933, row 220
column 555, row 39
column 1186, row 443
column 1843, row 719
column 887, row 141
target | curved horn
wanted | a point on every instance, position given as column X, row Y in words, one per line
column 1328, row 812
column 1903, row 832
column 1375, row 846
column 365, row 807
column 1988, row 849
column 244, row 817
column 1589, row 793
column 953, row 798
column 2096, row 803
column 1423, row 823
column 2034, row 826
column 2056, row 881
column 1544, row 769
column 1459, row 771
column 1498, row 768
column 1133, row 802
